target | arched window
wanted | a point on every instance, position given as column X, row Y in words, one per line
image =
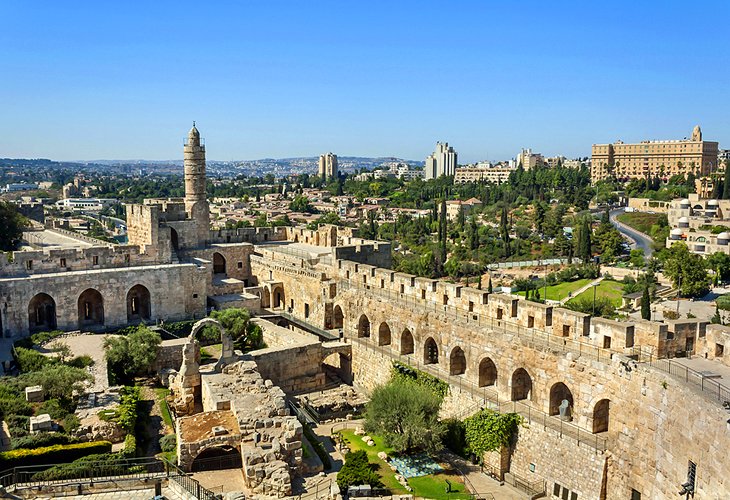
column 457, row 361
column 430, row 352
column 219, row 264
column 600, row 416
column 487, row 373
column 406, row 342
column 521, row 385
column 383, row 334
column 41, row 313
column 138, row 303
column 363, row 327
column 91, row 309
column 558, row 393
column 339, row 317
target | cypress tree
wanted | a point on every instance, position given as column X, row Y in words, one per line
column 490, row 284
column 726, row 184
column 645, row 307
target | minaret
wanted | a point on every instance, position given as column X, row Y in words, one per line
column 196, row 204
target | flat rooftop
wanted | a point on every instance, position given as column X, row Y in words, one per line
column 296, row 249
column 52, row 239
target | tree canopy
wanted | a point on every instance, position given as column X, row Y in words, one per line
column 11, row 226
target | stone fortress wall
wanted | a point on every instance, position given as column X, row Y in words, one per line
column 487, row 341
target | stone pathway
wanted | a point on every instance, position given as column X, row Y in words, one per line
column 124, row 495
column 581, row 290
column 480, row 481
column 222, row 481
column 90, row 345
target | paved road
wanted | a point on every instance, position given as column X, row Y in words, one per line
column 642, row 241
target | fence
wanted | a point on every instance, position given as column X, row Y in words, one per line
column 22, row 478
column 703, row 382
column 491, row 401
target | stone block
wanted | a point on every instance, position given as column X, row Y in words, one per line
column 34, row 394
column 41, row 423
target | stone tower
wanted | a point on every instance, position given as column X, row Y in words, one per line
column 196, row 204
column 697, row 134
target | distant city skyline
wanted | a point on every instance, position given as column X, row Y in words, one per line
column 92, row 81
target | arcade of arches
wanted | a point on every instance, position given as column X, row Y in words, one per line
column 91, row 309
column 138, row 304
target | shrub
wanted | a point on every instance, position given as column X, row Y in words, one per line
column 723, row 302
column 168, row 442
column 54, row 407
column 404, row 373
column 110, row 464
column 179, row 328
column 58, row 381
column 455, row 437
column 10, row 406
column 128, row 406
column 130, row 446
column 489, row 430
column 357, row 470
column 132, row 355
column 237, row 323
column 406, row 415
column 30, row 360
column 51, row 454
column 42, row 440
column 83, row 361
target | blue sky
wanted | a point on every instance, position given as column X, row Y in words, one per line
column 124, row 80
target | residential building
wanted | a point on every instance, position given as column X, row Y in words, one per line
column 453, row 207
column 700, row 223
column 327, row 166
column 494, row 175
column 654, row 158
column 529, row 160
column 441, row 162
column 10, row 188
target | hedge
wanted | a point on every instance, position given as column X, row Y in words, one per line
column 59, row 453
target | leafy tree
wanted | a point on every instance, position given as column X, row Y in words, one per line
column 301, row 204
column 130, row 355
column 645, row 304
column 720, row 263
column 406, row 415
column 489, row 431
column 237, row 323
column 357, row 470
column 58, row 381
column 686, row 270
column 636, row 258
column 11, row 226
column 716, row 319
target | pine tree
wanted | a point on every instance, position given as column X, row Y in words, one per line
column 479, row 282
column 645, row 304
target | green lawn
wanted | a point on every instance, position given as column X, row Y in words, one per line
column 561, row 290
column 639, row 220
column 164, row 409
column 426, row 486
column 610, row 289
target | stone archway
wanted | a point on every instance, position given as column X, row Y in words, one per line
column 174, row 240
column 407, row 346
column 217, row 458
column 383, row 334
column 90, row 309
column 339, row 317
column 363, row 327
column 559, row 392
column 487, row 373
column 601, row 416
column 219, row 263
column 139, row 304
column 41, row 313
column 338, row 365
column 227, row 354
column 430, row 352
column 521, row 385
column 278, row 297
column 457, row 361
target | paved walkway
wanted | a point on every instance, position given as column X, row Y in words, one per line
column 482, row 483
column 123, row 495
column 581, row 290
column 90, row 345
column 222, row 481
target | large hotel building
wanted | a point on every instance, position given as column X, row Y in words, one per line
column 663, row 158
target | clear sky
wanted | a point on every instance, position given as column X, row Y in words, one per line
column 125, row 79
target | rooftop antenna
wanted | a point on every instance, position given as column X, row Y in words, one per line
column 193, row 123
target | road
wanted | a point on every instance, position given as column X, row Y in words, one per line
column 643, row 241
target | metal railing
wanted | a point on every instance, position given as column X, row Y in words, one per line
column 533, row 336
column 704, row 383
column 79, row 473
column 490, row 399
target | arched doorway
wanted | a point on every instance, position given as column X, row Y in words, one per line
column 41, row 313
column 337, row 367
column 217, row 458
column 457, row 361
column 600, row 416
column 279, row 297
column 406, row 342
column 91, row 309
column 174, row 241
column 521, row 385
column 339, row 318
column 383, row 334
column 430, row 352
column 558, row 393
column 487, row 373
column 219, row 264
column 139, row 305
column 363, row 327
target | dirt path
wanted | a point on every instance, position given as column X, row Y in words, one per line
column 151, row 425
